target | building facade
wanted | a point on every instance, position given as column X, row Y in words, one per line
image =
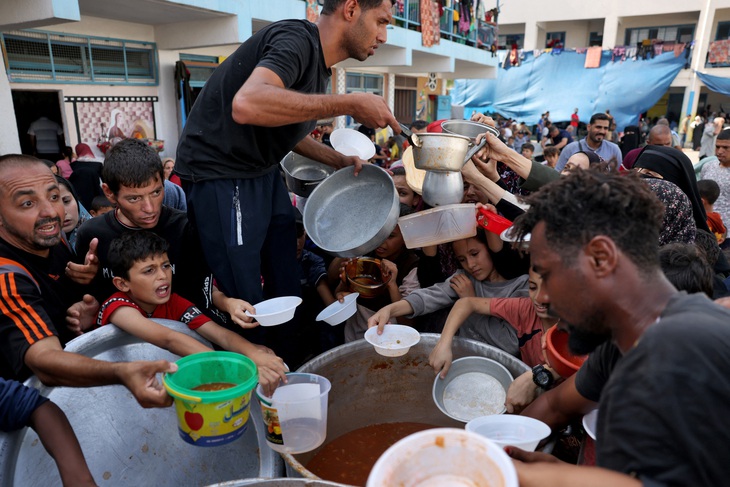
column 103, row 68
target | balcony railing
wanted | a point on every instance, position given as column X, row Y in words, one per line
column 482, row 36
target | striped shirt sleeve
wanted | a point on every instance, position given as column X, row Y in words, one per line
column 23, row 320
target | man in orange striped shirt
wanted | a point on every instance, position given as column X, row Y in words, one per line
column 38, row 282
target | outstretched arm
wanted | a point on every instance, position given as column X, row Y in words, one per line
column 59, row 440
column 264, row 101
column 134, row 323
column 440, row 357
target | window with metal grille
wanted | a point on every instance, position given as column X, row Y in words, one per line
column 54, row 57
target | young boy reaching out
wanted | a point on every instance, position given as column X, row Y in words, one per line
column 143, row 276
column 531, row 320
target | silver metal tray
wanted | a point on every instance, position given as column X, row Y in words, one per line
column 125, row 444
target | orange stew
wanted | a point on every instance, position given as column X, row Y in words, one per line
column 214, row 386
column 349, row 458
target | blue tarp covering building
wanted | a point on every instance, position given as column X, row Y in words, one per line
column 715, row 83
column 560, row 83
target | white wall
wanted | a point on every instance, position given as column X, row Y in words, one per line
column 9, row 141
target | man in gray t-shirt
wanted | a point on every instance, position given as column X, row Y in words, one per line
column 46, row 138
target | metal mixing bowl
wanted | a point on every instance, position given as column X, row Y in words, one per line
column 302, row 174
column 443, row 188
column 467, row 128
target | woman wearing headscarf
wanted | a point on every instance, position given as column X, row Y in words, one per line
column 672, row 165
column 74, row 212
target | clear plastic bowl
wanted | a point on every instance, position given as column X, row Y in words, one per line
column 439, row 225
column 510, row 430
column 275, row 311
column 337, row 312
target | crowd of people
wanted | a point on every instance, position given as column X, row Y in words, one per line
column 624, row 252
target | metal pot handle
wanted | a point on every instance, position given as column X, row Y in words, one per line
column 476, row 148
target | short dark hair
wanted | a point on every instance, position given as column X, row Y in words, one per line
column 131, row 163
column 330, row 6
column 133, row 247
column 685, row 267
column 419, row 124
column 100, row 202
column 583, row 204
column 550, row 151
column 529, row 146
column 706, row 242
column 599, row 116
column 709, row 190
column 398, row 171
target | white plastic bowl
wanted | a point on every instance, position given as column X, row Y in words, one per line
column 443, row 457
column 395, row 341
column 439, row 225
column 590, row 421
column 275, row 311
column 352, row 143
column 337, row 312
column 510, row 430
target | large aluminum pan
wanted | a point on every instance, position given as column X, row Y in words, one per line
column 348, row 215
column 124, row 444
column 467, row 128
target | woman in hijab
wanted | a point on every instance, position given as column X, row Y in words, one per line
column 672, row 165
column 75, row 213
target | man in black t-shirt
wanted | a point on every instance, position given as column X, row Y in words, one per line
column 260, row 103
column 660, row 372
column 38, row 283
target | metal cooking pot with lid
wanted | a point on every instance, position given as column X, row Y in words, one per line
column 302, row 174
column 348, row 215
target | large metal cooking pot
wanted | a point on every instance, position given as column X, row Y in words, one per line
column 302, row 174
column 369, row 389
column 349, row 216
column 125, row 444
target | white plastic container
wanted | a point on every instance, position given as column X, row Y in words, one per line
column 395, row 341
column 352, row 143
column 443, row 457
column 510, row 430
column 296, row 415
column 439, row 225
column 275, row 311
column 337, row 312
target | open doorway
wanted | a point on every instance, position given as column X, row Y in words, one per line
column 30, row 106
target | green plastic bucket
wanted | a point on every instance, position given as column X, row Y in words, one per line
column 216, row 417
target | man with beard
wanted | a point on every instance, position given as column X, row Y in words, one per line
column 261, row 103
column 659, row 374
column 594, row 142
column 38, row 283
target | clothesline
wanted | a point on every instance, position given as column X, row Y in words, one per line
column 514, row 57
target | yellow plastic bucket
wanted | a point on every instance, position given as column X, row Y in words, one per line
column 216, row 417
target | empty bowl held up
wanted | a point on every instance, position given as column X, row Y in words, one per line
column 275, row 311
column 467, row 128
column 395, row 340
column 510, row 430
column 337, row 312
column 302, row 174
column 473, row 387
column 352, row 143
column 559, row 355
column 365, row 276
column 443, row 457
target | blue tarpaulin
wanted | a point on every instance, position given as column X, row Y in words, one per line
column 559, row 83
column 715, row 83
